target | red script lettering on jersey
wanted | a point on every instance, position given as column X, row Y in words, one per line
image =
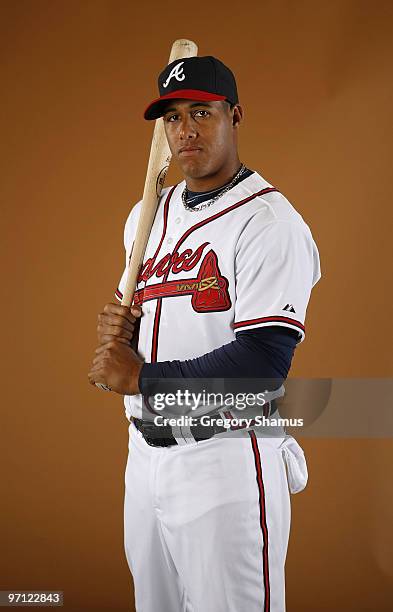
column 171, row 262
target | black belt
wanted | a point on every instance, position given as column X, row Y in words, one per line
column 162, row 435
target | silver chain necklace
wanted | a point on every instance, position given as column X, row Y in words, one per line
column 218, row 195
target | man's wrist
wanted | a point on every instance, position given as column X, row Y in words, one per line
column 133, row 382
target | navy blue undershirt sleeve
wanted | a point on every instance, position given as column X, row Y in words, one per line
column 263, row 353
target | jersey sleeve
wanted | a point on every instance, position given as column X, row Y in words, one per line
column 128, row 239
column 276, row 266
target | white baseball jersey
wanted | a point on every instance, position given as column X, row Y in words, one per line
column 247, row 261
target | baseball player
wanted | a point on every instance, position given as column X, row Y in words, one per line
column 222, row 295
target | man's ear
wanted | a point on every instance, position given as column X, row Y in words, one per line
column 237, row 115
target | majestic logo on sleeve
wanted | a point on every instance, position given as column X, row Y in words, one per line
column 208, row 290
column 177, row 73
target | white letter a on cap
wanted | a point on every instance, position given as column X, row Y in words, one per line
column 177, row 72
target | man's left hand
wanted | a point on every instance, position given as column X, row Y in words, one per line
column 117, row 366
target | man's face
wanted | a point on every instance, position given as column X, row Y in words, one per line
column 205, row 129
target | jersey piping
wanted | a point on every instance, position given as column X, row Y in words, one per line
column 263, row 520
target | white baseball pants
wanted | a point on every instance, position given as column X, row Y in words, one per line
column 206, row 525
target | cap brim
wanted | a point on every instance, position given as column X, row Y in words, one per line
column 155, row 108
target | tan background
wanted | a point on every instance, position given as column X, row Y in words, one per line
column 315, row 82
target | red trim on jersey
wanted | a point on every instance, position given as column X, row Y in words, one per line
column 262, row 519
column 269, row 320
column 154, row 344
column 221, row 213
column 118, row 293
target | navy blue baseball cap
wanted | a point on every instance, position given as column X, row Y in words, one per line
column 193, row 78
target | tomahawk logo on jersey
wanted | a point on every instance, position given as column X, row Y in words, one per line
column 247, row 261
column 209, row 290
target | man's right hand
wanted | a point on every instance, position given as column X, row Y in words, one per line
column 117, row 322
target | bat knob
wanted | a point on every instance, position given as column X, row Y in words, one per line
column 102, row 387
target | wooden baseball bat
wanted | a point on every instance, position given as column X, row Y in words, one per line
column 159, row 160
